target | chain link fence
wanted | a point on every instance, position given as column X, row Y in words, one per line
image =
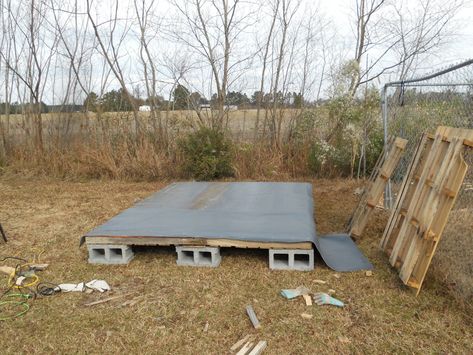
column 411, row 107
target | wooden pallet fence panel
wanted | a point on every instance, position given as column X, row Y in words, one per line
column 373, row 194
column 427, row 195
column 363, row 198
column 427, row 208
column 405, row 229
column 404, row 196
column 436, row 218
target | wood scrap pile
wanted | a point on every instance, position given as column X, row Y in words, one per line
column 426, row 197
column 246, row 346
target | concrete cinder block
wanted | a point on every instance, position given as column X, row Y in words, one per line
column 109, row 254
column 198, row 256
column 291, row 259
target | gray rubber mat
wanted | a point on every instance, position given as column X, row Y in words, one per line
column 341, row 254
column 245, row 211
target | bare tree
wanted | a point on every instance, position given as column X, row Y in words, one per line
column 287, row 11
column 111, row 51
column 366, row 22
column 143, row 10
column 212, row 29
column 393, row 37
column 33, row 43
column 422, row 30
column 266, row 47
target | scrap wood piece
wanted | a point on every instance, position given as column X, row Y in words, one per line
column 427, row 196
column 308, row 300
column 7, row 270
column 379, row 178
column 307, row 316
column 320, row 282
column 240, row 342
column 107, row 299
column 3, row 234
column 259, row 348
column 254, row 320
column 244, row 350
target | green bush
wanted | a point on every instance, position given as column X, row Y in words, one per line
column 207, row 154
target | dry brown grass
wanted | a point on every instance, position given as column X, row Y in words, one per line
column 80, row 146
column 381, row 315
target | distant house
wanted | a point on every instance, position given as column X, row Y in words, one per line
column 230, row 107
column 204, row 107
column 145, row 108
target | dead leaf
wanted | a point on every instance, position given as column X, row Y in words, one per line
column 337, row 276
column 369, row 273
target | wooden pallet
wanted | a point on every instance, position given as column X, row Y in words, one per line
column 387, row 162
column 428, row 193
column 188, row 241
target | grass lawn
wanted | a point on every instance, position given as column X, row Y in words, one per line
column 171, row 305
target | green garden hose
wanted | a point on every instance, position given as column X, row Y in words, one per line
column 18, row 303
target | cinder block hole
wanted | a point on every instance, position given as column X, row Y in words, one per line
column 301, row 260
column 205, row 258
column 116, row 254
column 281, row 259
column 98, row 253
column 187, row 256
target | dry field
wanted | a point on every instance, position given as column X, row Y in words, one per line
column 45, row 218
column 240, row 123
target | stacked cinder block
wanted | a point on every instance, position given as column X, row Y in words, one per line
column 109, row 254
column 291, row 259
column 198, row 256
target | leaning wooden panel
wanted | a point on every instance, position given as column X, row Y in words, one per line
column 387, row 240
column 374, row 192
column 429, row 236
column 428, row 206
column 406, row 227
column 427, row 196
column 364, row 196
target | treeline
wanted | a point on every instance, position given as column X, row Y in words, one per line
column 183, row 99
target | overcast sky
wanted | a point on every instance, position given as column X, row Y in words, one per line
column 337, row 17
